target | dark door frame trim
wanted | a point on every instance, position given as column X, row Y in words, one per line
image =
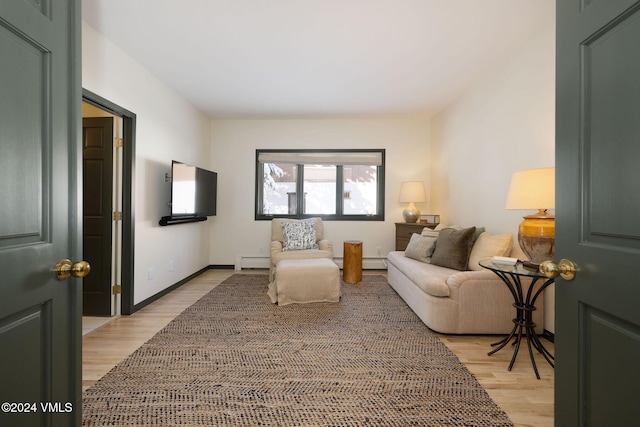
column 128, row 192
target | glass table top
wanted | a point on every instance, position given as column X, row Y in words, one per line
column 518, row 269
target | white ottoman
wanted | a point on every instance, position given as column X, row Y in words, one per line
column 305, row 280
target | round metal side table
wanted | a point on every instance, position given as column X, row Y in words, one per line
column 524, row 298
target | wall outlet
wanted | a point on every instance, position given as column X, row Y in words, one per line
column 171, row 265
column 151, row 274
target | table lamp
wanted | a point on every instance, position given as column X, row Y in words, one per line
column 534, row 189
column 412, row 192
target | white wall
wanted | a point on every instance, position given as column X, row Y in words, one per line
column 235, row 234
column 504, row 124
column 167, row 128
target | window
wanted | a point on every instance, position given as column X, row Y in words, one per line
column 332, row 184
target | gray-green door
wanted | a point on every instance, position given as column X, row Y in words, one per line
column 598, row 212
column 40, row 167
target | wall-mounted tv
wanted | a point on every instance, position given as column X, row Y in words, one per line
column 193, row 194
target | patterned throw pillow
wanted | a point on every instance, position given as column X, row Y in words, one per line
column 299, row 235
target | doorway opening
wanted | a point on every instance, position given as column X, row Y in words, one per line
column 102, row 210
column 108, row 140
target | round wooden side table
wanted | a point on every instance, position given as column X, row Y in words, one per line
column 352, row 262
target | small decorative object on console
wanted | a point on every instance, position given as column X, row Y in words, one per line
column 429, row 219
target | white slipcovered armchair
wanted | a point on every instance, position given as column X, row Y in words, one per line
column 323, row 248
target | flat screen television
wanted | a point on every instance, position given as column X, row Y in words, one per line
column 193, row 194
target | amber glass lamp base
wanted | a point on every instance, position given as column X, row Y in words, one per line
column 536, row 236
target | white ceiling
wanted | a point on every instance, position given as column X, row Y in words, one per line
column 318, row 58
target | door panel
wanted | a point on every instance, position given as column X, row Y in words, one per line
column 611, row 346
column 611, row 101
column 597, row 320
column 23, row 137
column 40, row 321
column 32, row 369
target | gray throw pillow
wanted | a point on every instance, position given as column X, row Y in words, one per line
column 453, row 248
column 420, row 247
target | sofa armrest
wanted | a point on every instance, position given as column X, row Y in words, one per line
column 472, row 283
column 276, row 247
column 326, row 245
column 476, row 291
column 473, row 287
column 458, row 279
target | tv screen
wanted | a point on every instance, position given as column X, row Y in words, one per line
column 206, row 192
column 193, row 191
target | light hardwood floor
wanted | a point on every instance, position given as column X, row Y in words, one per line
column 526, row 400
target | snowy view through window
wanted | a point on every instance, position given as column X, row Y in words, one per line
column 320, row 186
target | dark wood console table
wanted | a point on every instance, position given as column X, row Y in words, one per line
column 404, row 230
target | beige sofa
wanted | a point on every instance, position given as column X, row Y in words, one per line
column 452, row 301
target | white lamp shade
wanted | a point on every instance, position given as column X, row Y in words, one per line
column 532, row 189
column 412, row 191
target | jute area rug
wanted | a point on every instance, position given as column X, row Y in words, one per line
column 235, row 359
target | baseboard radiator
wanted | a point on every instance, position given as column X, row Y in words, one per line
column 368, row 263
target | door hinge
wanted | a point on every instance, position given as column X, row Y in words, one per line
column 116, row 289
column 117, row 142
column 117, row 216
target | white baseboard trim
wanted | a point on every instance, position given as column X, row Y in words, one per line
column 252, row 262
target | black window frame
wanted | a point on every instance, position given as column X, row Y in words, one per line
column 339, row 215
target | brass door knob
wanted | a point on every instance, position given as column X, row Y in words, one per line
column 565, row 269
column 66, row 268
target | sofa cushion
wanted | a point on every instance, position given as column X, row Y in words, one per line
column 442, row 226
column 429, row 278
column 430, row 233
column 420, row 247
column 435, row 231
column 302, row 254
column 489, row 245
column 435, row 285
column 453, row 248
